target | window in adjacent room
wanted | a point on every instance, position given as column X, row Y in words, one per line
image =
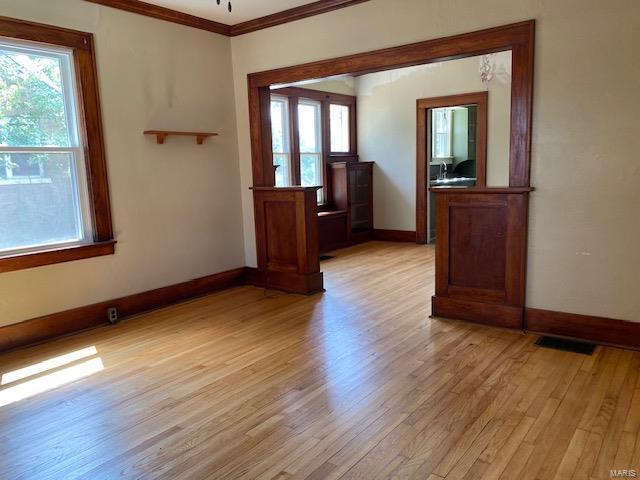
column 281, row 140
column 340, row 131
column 442, row 138
column 310, row 129
column 310, row 133
column 54, row 203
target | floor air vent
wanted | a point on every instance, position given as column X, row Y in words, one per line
column 566, row 345
column 326, row 257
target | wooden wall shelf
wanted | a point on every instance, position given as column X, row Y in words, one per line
column 161, row 135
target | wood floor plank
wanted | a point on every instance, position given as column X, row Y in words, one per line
column 357, row 382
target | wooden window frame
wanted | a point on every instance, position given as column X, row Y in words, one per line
column 90, row 126
column 326, row 99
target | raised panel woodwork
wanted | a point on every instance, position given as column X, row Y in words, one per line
column 481, row 253
column 282, row 239
column 287, row 239
column 477, row 242
column 332, row 227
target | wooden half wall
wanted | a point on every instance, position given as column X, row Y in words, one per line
column 287, row 239
column 481, row 236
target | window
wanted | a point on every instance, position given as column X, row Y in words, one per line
column 281, row 140
column 310, row 131
column 442, row 136
column 43, row 191
column 53, row 187
column 340, row 131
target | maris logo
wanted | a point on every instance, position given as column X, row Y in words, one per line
column 623, row 473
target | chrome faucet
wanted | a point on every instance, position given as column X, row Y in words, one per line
column 443, row 171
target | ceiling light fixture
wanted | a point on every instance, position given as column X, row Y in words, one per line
column 228, row 5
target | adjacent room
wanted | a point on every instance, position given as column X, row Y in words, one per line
column 335, row 239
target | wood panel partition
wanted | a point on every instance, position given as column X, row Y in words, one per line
column 481, row 239
column 287, row 239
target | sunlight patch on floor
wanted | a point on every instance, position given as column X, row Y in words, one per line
column 47, row 365
column 44, row 383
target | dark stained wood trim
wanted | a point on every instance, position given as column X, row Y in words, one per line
column 90, row 123
column 290, row 282
column 181, row 18
column 502, row 316
column 71, row 321
column 518, row 37
column 294, row 141
column 24, row 261
column 394, row 235
column 94, row 147
column 482, row 190
column 606, row 331
column 166, row 14
column 291, row 15
column 38, row 32
column 481, row 99
column 319, row 95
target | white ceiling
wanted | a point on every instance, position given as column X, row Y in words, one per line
column 243, row 10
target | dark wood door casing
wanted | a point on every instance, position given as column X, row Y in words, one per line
column 481, row 99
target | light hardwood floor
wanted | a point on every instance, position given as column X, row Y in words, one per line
column 355, row 383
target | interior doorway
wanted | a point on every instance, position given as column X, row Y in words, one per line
column 451, row 151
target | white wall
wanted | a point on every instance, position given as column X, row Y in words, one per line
column 584, row 223
column 387, row 128
column 176, row 207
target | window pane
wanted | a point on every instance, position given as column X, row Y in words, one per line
column 310, row 145
column 280, row 140
column 309, row 125
column 277, row 126
column 39, row 204
column 339, row 120
column 311, row 171
column 441, row 132
column 33, row 111
column 283, row 174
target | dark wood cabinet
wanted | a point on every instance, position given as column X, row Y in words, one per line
column 349, row 220
column 332, row 228
column 353, row 192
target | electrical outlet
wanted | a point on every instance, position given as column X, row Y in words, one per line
column 112, row 315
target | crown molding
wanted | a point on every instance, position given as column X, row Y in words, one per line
column 291, row 15
column 279, row 18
